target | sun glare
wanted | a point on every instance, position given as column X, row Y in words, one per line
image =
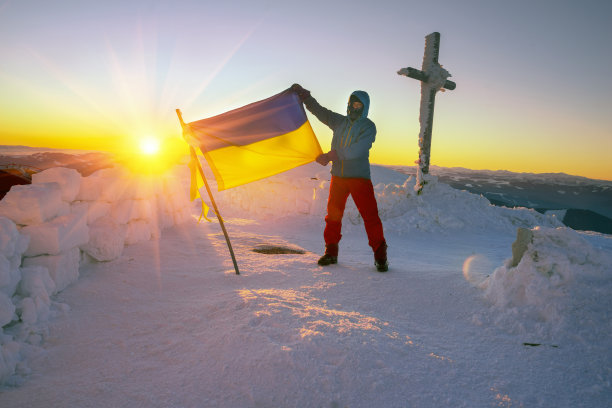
column 151, row 155
column 149, row 145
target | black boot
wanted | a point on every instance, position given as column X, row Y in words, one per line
column 380, row 258
column 331, row 255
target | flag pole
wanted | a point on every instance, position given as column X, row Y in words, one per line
column 212, row 200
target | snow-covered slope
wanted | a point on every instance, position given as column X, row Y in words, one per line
column 542, row 191
column 303, row 191
column 452, row 323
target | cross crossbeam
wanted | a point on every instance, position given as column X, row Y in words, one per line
column 422, row 76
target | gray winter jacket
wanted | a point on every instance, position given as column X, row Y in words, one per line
column 351, row 140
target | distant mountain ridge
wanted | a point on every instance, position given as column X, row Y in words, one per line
column 86, row 162
column 587, row 220
column 20, row 150
column 588, row 202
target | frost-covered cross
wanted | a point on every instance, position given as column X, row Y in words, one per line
column 433, row 78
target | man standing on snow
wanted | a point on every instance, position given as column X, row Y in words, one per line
column 352, row 139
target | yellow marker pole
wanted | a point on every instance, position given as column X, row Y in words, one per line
column 212, row 200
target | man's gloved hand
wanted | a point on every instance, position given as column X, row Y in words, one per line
column 323, row 159
column 302, row 93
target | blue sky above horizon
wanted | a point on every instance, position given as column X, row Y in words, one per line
column 532, row 77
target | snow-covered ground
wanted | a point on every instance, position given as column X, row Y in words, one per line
column 453, row 323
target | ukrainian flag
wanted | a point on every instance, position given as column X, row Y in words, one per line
column 256, row 141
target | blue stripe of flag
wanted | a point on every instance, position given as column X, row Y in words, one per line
column 271, row 117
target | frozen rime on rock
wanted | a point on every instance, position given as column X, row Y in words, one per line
column 560, row 281
column 57, row 236
column 33, row 203
column 62, row 268
column 49, row 227
column 106, row 240
column 69, row 181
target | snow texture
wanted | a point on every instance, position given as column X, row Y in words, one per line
column 442, row 208
column 33, row 203
column 57, row 224
column 69, row 180
column 166, row 322
column 561, row 288
column 56, row 236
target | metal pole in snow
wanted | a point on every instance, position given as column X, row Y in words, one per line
column 212, row 200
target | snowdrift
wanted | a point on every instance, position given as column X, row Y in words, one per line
column 61, row 221
column 303, row 192
column 558, row 292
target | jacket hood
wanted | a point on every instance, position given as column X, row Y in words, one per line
column 365, row 99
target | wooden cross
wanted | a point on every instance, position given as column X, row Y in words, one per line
column 433, row 78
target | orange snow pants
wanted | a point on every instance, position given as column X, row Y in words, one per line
column 362, row 192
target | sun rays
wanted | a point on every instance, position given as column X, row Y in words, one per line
column 122, row 98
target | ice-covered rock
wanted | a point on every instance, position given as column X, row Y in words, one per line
column 45, row 227
column 27, row 310
column 106, row 240
column 142, row 187
column 7, row 309
column 91, row 209
column 33, row 203
column 69, row 180
column 23, row 241
column 107, row 184
column 36, row 282
column 114, row 182
column 31, row 312
column 561, row 281
column 58, row 235
column 10, row 275
column 91, row 188
column 63, row 268
column 127, row 210
column 5, row 271
column 10, row 357
column 12, row 245
column 9, row 236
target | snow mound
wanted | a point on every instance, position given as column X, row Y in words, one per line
column 304, row 191
column 558, row 291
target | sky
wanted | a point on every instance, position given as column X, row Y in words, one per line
column 532, row 77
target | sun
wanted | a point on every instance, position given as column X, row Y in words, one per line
column 152, row 154
column 149, row 145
